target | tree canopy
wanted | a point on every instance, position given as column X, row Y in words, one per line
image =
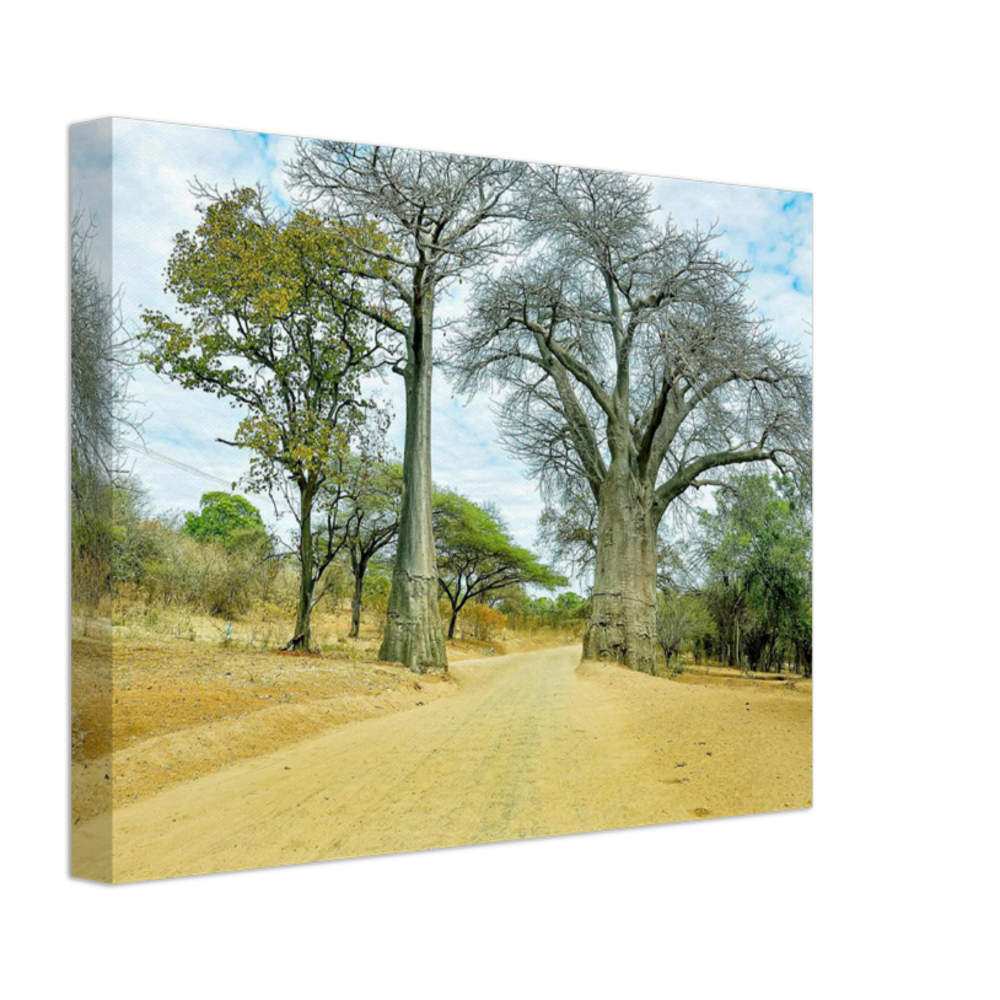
column 477, row 556
column 360, row 508
column 758, row 547
column 224, row 517
column 634, row 363
column 275, row 314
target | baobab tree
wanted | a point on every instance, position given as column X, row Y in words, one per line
column 632, row 359
column 444, row 215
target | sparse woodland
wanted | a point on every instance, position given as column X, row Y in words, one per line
column 667, row 428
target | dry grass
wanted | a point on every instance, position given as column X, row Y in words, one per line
column 717, row 675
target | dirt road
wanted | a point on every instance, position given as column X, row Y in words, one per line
column 529, row 745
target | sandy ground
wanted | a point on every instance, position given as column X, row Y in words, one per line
column 526, row 745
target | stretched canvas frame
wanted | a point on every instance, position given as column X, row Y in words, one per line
column 113, row 178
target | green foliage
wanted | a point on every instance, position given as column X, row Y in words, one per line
column 278, row 316
column 570, row 603
column 273, row 315
column 226, row 518
column 359, row 508
column 567, row 612
column 761, row 570
column 360, row 504
column 377, row 584
column 476, row 555
column 124, row 554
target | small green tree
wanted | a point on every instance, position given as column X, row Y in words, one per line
column 476, row 555
column 274, row 316
column 224, row 517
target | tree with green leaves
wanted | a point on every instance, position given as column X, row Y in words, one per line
column 477, row 556
column 759, row 555
column 276, row 315
column 224, row 517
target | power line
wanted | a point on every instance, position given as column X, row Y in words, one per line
column 143, row 450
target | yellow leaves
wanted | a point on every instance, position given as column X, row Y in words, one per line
column 276, row 315
column 303, row 454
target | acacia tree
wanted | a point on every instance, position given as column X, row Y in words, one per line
column 275, row 317
column 477, row 556
column 444, row 215
column 633, row 360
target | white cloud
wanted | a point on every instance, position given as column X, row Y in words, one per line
column 768, row 229
column 154, row 165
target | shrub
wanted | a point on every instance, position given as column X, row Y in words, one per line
column 211, row 577
column 482, row 621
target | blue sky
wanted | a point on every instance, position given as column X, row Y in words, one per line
column 151, row 168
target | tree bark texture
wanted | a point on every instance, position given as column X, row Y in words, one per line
column 622, row 625
column 413, row 632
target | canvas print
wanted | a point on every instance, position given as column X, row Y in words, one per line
column 423, row 499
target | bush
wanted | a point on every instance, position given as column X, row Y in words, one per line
column 90, row 581
column 209, row 576
column 226, row 518
column 482, row 621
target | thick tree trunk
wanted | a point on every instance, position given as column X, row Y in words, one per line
column 413, row 632
column 301, row 637
column 622, row 625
